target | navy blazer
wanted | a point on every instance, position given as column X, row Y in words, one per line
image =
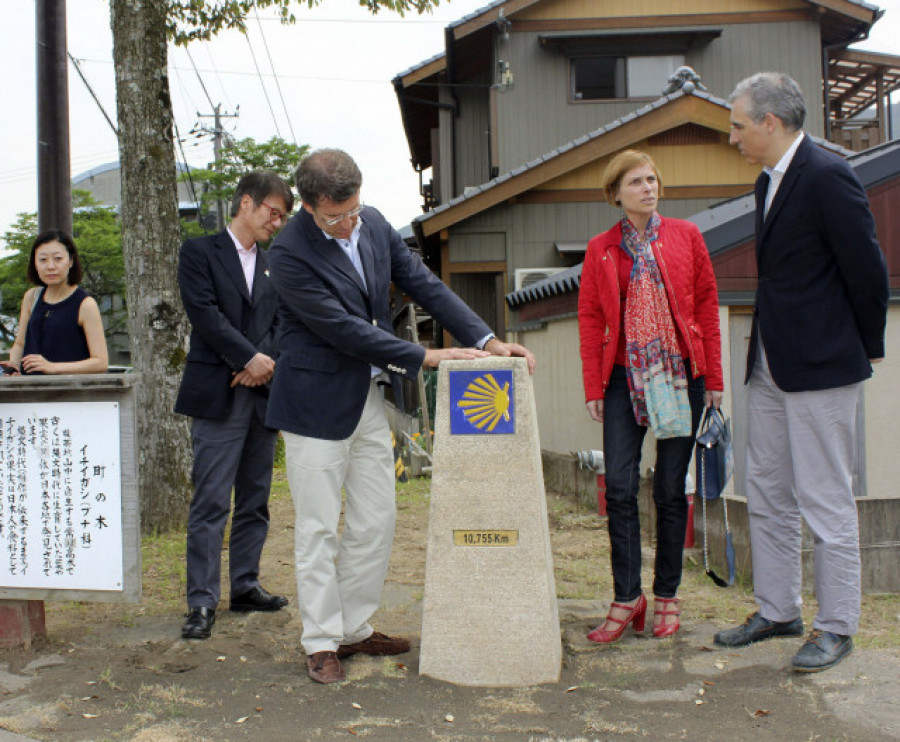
column 333, row 328
column 228, row 327
column 821, row 301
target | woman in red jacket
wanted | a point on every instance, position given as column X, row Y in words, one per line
column 651, row 358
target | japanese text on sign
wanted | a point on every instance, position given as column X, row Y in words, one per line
column 60, row 496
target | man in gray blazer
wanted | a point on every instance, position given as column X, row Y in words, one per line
column 818, row 325
column 231, row 303
column 333, row 265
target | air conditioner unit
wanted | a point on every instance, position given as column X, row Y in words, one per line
column 526, row 277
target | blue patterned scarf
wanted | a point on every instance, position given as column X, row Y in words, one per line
column 656, row 375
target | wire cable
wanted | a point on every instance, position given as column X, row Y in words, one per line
column 275, row 75
column 265, row 91
column 93, row 94
column 202, row 85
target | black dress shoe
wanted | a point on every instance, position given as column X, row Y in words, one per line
column 199, row 623
column 257, row 599
column 756, row 628
column 821, row 651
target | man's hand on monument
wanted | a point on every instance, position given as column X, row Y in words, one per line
column 595, row 409
column 497, row 348
column 433, row 356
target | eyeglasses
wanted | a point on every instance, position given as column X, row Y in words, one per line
column 333, row 221
column 274, row 214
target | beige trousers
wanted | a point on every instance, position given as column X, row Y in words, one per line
column 340, row 580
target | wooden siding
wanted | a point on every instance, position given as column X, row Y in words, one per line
column 735, row 269
column 563, row 422
column 473, row 126
column 743, row 49
column 480, row 246
column 566, row 9
column 535, row 115
column 884, row 199
column 679, row 165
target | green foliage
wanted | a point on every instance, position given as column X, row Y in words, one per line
column 197, row 19
column 97, row 234
column 217, row 183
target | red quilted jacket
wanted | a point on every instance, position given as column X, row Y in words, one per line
column 688, row 275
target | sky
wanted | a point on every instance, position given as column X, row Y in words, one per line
column 333, row 88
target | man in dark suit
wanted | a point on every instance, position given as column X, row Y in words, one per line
column 818, row 325
column 231, row 303
column 332, row 266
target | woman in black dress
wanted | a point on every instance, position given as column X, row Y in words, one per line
column 60, row 330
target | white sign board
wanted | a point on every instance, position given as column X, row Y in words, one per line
column 60, row 496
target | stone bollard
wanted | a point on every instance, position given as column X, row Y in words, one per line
column 490, row 614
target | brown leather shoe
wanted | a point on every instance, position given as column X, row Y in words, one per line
column 376, row 645
column 324, row 667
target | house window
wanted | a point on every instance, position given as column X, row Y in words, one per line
column 604, row 78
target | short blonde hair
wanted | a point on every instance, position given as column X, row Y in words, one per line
column 626, row 160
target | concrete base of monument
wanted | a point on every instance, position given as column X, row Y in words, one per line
column 490, row 614
column 21, row 621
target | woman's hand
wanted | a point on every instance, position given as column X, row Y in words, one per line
column 35, row 363
column 9, row 369
column 713, row 399
column 595, row 409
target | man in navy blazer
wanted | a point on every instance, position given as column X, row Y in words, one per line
column 231, row 303
column 818, row 325
column 332, row 266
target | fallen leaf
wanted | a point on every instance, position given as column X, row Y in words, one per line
column 571, row 688
column 220, row 658
column 258, row 709
column 720, row 665
column 356, row 705
column 400, row 666
column 352, row 730
column 448, row 717
column 701, row 691
column 242, row 659
column 698, row 702
column 242, row 720
column 761, row 712
column 709, row 682
column 90, row 716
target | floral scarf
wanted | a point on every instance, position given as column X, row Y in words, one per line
column 656, row 375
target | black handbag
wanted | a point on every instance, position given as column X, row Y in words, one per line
column 715, row 464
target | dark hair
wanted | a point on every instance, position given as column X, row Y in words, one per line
column 775, row 93
column 259, row 185
column 327, row 173
column 63, row 238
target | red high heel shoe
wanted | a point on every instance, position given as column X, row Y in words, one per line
column 636, row 615
column 661, row 629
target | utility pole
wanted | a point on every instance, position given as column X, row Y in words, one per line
column 54, row 177
column 218, row 135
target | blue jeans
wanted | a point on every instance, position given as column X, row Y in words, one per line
column 622, row 440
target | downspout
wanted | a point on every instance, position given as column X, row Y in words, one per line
column 451, row 82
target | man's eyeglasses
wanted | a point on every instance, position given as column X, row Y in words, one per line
column 274, row 214
column 333, row 221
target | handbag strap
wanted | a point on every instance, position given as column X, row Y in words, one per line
column 712, row 575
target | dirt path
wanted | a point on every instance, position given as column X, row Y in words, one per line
column 124, row 673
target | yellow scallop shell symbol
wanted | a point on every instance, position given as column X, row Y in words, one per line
column 484, row 402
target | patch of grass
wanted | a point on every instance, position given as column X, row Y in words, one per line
column 414, row 493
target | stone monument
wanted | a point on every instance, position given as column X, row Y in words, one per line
column 490, row 614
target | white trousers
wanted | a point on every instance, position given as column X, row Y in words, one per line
column 801, row 455
column 340, row 580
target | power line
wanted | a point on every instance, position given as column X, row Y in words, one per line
column 263, row 85
column 209, row 56
column 93, row 94
column 277, row 83
column 206, row 92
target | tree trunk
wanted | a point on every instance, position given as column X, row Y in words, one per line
column 150, row 239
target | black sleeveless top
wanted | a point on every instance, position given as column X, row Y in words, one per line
column 53, row 330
